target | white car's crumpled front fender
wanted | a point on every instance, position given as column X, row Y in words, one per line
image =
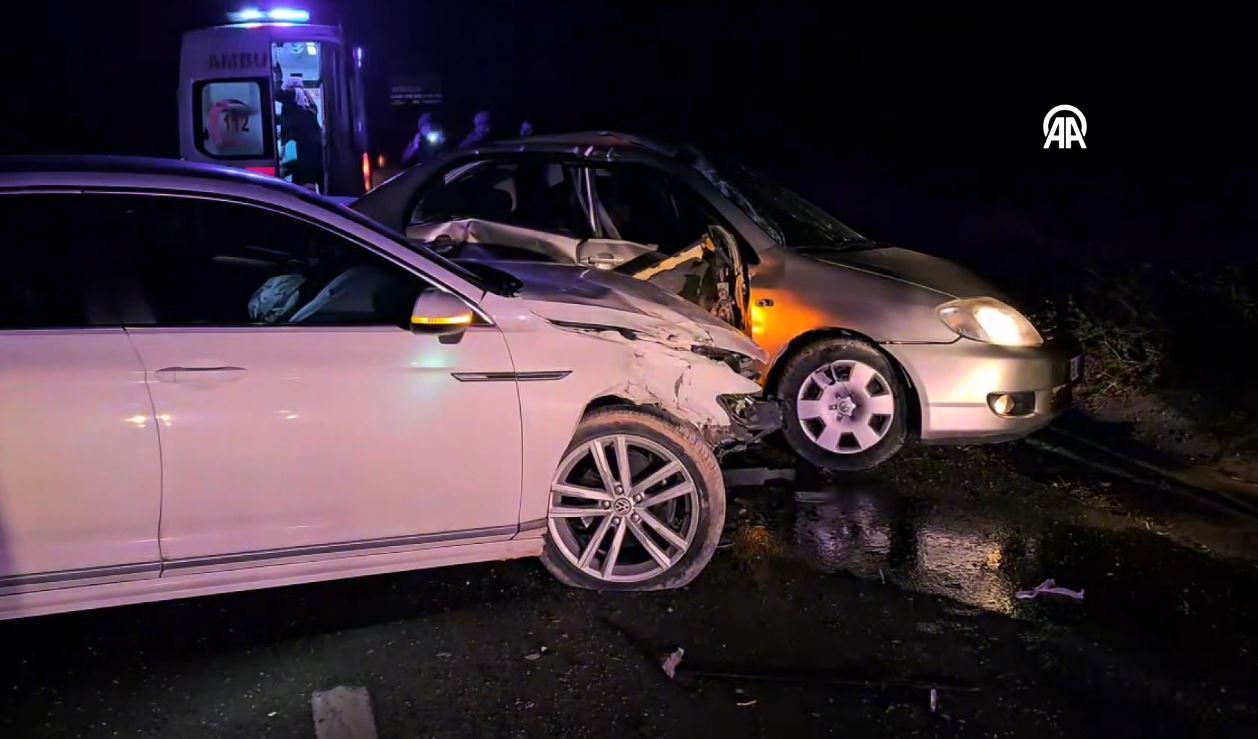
column 599, row 361
column 685, row 384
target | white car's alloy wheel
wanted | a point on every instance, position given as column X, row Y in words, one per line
column 623, row 508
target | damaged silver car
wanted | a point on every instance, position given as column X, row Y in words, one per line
column 869, row 344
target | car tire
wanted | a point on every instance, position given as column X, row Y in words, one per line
column 813, row 412
column 653, row 445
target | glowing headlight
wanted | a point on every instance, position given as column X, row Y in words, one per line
column 989, row 320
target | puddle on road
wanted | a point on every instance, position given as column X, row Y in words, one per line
column 870, row 530
column 980, row 550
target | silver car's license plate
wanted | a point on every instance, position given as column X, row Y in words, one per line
column 1076, row 368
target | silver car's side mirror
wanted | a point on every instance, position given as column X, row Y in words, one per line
column 440, row 313
column 610, row 253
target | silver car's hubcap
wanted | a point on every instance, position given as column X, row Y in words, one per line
column 623, row 508
column 845, row 406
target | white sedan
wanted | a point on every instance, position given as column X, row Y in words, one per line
column 213, row 381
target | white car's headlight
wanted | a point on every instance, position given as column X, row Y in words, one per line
column 741, row 363
column 989, row 320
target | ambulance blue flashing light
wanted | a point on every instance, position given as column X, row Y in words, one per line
column 275, row 15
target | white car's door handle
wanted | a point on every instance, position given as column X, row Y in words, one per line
column 199, row 374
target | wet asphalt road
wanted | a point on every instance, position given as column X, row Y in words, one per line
column 842, row 590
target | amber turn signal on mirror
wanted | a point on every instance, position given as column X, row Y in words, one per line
column 460, row 320
column 437, row 311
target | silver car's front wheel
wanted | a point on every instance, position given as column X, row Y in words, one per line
column 636, row 503
column 845, row 405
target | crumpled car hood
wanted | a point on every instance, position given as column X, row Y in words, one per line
column 562, row 249
column 915, row 268
column 578, row 295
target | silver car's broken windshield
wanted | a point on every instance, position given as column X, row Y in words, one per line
column 787, row 218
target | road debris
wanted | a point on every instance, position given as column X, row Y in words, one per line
column 1048, row 587
column 753, row 476
column 740, row 674
column 343, row 713
column 814, row 496
column 934, row 700
column 672, row 661
column 532, row 656
column 742, row 700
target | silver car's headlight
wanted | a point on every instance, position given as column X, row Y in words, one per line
column 990, row 321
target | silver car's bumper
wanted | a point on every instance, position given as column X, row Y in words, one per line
column 956, row 381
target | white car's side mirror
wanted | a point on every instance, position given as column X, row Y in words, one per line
column 440, row 313
column 610, row 253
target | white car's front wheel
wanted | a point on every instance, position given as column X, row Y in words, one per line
column 637, row 503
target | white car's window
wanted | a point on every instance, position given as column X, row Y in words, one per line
column 197, row 262
column 532, row 193
column 48, row 265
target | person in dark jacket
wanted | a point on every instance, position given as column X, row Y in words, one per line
column 480, row 131
column 299, row 123
column 425, row 143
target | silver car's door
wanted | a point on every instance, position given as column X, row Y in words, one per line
column 697, row 256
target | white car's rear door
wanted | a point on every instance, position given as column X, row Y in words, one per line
column 80, row 476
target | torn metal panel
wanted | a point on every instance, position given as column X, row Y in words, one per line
column 458, row 239
column 599, row 297
column 552, row 246
column 611, row 253
column 709, row 274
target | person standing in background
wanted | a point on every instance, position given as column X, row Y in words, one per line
column 425, row 143
column 480, row 130
column 299, row 123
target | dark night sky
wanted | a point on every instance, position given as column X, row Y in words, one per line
column 838, row 99
column 780, row 76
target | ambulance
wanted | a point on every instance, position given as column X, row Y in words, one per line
column 272, row 93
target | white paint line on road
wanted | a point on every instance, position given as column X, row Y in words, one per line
column 343, row 713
